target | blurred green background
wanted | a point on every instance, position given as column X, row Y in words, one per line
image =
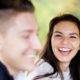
column 47, row 9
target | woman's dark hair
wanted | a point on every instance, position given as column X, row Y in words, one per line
column 48, row 55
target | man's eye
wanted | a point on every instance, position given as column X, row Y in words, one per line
column 26, row 37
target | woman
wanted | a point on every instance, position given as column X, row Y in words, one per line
column 61, row 52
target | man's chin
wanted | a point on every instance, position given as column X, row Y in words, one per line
column 30, row 68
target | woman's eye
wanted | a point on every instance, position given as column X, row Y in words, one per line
column 73, row 37
column 58, row 36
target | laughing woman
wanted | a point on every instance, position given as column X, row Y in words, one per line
column 61, row 59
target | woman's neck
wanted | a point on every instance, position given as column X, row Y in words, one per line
column 64, row 66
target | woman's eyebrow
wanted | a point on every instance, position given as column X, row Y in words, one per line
column 74, row 34
column 58, row 32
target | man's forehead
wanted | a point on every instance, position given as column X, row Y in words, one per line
column 24, row 15
column 25, row 21
column 27, row 29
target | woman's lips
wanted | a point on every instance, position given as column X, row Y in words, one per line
column 64, row 51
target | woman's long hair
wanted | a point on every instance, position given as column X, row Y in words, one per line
column 48, row 54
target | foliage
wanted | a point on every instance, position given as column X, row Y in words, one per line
column 47, row 9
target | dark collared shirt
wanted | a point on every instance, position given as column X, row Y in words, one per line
column 4, row 74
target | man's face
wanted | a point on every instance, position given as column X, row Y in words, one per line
column 21, row 43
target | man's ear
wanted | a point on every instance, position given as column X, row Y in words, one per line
column 79, row 46
column 1, row 42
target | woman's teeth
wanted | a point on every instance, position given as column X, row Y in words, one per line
column 64, row 49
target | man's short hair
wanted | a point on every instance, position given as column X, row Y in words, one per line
column 8, row 9
column 18, row 5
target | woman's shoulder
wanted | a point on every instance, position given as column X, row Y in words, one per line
column 43, row 67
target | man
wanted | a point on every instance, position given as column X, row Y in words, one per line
column 18, row 38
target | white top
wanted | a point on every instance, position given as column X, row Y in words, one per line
column 43, row 68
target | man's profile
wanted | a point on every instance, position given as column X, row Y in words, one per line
column 18, row 37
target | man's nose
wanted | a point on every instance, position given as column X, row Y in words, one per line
column 36, row 44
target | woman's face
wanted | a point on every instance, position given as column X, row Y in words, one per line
column 65, row 41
